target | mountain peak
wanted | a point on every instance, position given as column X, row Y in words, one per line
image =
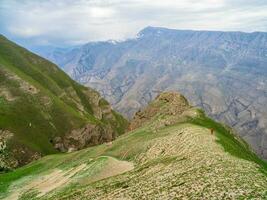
column 150, row 30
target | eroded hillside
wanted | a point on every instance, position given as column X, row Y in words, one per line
column 43, row 111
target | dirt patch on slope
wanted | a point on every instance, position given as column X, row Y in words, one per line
column 59, row 178
column 49, row 182
column 6, row 94
column 55, row 180
column 114, row 167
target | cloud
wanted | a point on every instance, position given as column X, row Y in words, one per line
column 65, row 22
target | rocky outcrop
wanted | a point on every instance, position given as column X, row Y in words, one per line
column 11, row 157
column 166, row 103
column 87, row 136
column 6, row 161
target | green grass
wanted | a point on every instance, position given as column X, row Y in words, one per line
column 8, row 178
column 126, row 147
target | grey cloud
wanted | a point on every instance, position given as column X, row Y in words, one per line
column 64, row 22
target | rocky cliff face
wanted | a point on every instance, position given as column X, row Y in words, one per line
column 43, row 111
column 222, row 72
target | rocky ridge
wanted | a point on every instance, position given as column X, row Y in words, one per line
column 170, row 153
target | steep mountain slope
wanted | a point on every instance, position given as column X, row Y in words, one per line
column 170, row 153
column 43, row 111
column 222, row 72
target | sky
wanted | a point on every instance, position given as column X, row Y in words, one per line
column 75, row 22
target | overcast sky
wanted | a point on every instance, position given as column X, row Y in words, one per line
column 70, row 22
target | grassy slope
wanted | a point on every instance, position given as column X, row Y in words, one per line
column 53, row 111
column 230, row 141
column 180, row 160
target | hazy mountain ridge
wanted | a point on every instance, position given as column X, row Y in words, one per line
column 222, row 72
column 43, row 111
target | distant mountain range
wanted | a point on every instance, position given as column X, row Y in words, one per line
column 222, row 72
